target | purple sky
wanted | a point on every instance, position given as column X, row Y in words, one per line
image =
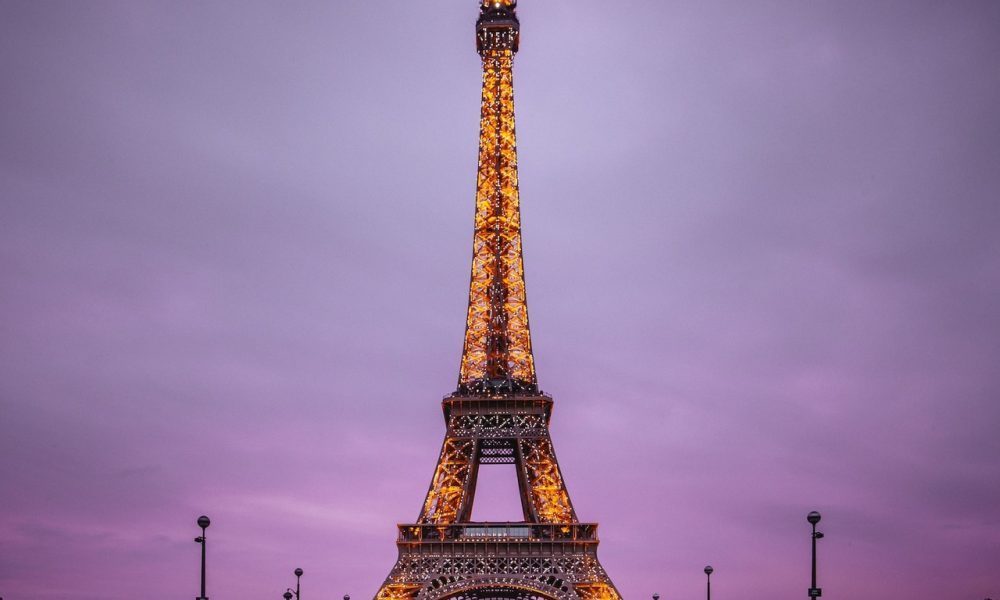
column 763, row 271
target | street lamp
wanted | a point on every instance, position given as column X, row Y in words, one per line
column 813, row 518
column 203, row 522
column 287, row 595
column 655, row 596
column 298, row 575
column 708, row 571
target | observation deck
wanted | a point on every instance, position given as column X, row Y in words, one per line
column 498, row 539
column 498, row 532
column 498, row 26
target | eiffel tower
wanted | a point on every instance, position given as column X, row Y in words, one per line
column 497, row 415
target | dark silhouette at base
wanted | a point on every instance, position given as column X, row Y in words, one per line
column 813, row 518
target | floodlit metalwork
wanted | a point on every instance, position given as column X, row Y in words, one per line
column 547, row 495
column 497, row 352
column 497, row 415
column 597, row 591
column 400, row 591
column 556, row 576
column 450, row 485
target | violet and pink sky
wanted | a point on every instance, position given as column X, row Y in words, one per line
column 763, row 264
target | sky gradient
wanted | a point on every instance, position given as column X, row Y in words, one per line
column 762, row 260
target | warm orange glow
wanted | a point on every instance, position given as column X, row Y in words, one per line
column 596, row 591
column 497, row 338
column 451, row 478
column 549, row 498
column 403, row 591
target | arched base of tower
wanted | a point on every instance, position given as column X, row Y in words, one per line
column 579, row 577
column 499, row 593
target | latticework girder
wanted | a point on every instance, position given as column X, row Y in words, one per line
column 597, row 591
column 497, row 352
column 450, row 484
column 452, row 488
column 566, row 576
column 398, row 591
column 547, row 493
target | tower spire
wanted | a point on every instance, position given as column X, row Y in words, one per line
column 496, row 357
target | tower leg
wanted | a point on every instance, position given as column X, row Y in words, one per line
column 449, row 491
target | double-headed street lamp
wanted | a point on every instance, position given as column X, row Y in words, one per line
column 289, row 593
column 203, row 522
column 813, row 518
column 708, row 572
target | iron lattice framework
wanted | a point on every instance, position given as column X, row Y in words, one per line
column 497, row 352
column 497, row 415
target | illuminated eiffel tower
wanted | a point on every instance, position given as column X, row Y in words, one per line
column 497, row 415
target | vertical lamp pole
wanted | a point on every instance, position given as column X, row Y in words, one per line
column 298, row 575
column 813, row 518
column 708, row 572
column 203, row 522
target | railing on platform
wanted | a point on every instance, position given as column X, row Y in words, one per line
column 499, row 532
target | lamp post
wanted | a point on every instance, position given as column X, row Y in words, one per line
column 655, row 596
column 708, row 572
column 813, row 518
column 347, row 597
column 298, row 576
column 203, row 522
